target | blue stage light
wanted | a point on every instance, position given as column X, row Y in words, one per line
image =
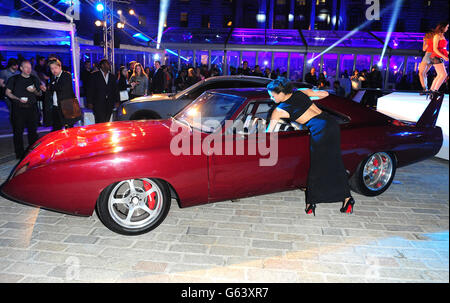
column 99, row 7
column 142, row 37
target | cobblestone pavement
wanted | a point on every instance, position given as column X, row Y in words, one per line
column 400, row 236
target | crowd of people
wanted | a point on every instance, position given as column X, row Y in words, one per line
column 33, row 89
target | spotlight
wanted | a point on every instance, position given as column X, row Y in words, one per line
column 99, row 7
column 98, row 23
column 156, row 57
column 119, row 12
column 131, row 12
column 261, row 17
column 120, row 25
column 266, row 63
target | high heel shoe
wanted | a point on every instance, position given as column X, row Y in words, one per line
column 311, row 209
column 348, row 207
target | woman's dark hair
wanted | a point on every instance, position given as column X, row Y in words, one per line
column 280, row 85
column 441, row 27
column 12, row 62
column 120, row 72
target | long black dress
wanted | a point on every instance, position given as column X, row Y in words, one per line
column 327, row 178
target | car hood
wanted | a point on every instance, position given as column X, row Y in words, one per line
column 154, row 97
column 102, row 139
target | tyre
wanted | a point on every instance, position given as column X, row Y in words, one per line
column 134, row 207
column 374, row 175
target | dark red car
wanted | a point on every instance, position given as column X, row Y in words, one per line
column 129, row 171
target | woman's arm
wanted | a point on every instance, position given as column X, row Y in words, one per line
column 318, row 93
column 275, row 118
column 425, row 45
column 436, row 39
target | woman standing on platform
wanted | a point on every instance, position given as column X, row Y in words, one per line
column 439, row 55
column 425, row 65
column 327, row 178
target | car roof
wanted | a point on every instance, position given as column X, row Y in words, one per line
column 248, row 93
column 236, row 77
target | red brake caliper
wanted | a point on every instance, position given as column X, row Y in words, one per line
column 151, row 198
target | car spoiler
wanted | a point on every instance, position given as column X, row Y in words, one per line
column 431, row 113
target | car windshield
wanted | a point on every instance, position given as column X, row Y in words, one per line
column 209, row 111
column 188, row 90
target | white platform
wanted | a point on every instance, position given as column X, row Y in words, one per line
column 409, row 107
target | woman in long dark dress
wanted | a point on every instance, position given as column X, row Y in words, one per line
column 327, row 178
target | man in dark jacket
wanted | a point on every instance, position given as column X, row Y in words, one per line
column 158, row 79
column 103, row 93
column 311, row 77
column 60, row 88
column 22, row 90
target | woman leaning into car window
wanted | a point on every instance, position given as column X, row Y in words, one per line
column 327, row 178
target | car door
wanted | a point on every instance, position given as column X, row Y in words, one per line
column 252, row 170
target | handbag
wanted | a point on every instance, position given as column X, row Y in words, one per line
column 124, row 95
column 70, row 109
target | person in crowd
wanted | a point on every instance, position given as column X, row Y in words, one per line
column 364, row 81
column 267, row 72
column 140, row 81
column 214, row 71
column 338, row 89
column 12, row 68
column 322, row 82
column 198, row 73
column 327, row 178
column 131, row 68
column 169, row 79
column 123, row 85
column 275, row 74
column 85, row 76
column 439, row 55
column 22, row 89
column 180, row 81
column 191, row 77
column 147, row 71
column 346, row 84
column 311, row 77
column 60, row 88
column 403, row 84
column 257, row 72
column 374, row 78
column 426, row 64
column 42, row 69
column 356, row 79
column 244, row 70
column 103, row 93
column 158, row 79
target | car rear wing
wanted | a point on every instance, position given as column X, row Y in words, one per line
column 431, row 113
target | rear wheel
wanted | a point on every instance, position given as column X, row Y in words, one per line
column 374, row 175
column 134, row 207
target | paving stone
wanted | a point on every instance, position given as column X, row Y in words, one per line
column 399, row 236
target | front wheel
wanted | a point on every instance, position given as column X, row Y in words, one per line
column 135, row 206
column 374, row 175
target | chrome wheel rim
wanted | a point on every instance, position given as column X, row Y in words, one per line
column 135, row 203
column 378, row 171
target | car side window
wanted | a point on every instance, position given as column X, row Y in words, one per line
column 255, row 118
